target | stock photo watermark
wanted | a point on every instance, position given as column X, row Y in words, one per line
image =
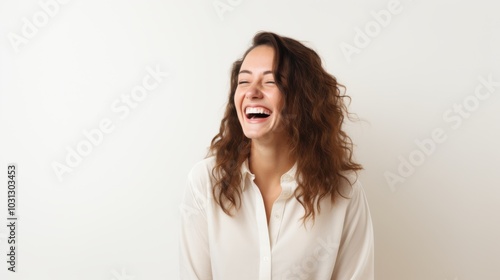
column 200, row 202
column 364, row 36
column 453, row 117
column 325, row 250
column 31, row 25
column 122, row 107
column 12, row 222
column 121, row 276
column 224, row 6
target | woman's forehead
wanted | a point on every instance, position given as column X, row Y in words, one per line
column 259, row 59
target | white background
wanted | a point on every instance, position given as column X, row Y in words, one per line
column 115, row 215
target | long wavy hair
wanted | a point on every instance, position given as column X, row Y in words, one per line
column 312, row 117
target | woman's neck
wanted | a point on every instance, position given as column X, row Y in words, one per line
column 270, row 160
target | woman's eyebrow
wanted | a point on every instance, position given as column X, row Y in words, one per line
column 250, row 72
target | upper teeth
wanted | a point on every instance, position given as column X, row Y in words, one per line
column 257, row 110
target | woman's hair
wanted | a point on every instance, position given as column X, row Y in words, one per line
column 312, row 117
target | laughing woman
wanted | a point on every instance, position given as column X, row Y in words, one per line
column 277, row 196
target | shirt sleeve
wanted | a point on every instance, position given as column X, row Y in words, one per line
column 194, row 250
column 356, row 253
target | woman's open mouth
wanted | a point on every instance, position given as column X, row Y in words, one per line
column 253, row 113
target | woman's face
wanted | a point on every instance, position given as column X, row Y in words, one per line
column 257, row 99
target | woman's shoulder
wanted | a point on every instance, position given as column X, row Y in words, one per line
column 351, row 185
column 203, row 165
column 201, row 172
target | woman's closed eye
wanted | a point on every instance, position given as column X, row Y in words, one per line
column 246, row 82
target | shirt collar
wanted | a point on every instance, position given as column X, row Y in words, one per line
column 286, row 178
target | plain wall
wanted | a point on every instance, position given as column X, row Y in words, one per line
column 424, row 81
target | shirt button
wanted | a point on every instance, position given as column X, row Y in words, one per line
column 266, row 259
column 277, row 216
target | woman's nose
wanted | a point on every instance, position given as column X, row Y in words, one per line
column 253, row 92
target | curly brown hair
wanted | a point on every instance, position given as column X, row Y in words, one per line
column 313, row 114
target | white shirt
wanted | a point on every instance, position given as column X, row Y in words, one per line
column 214, row 245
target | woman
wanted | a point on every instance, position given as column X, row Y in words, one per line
column 277, row 195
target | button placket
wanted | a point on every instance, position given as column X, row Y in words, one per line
column 263, row 231
column 278, row 211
